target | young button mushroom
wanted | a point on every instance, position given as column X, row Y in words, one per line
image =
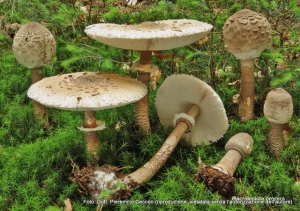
column 147, row 37
column 193, row 96
column 34, row 46
column 278, row 110
column 220, row 176
column 246, row 35
column 88, row 92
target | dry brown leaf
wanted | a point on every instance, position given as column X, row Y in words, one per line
column 235, row 99
column 155, row 78
column 160, row 55
column 68, row 206
column 234, row 83
column 287, row 131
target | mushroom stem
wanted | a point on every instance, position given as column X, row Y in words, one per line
column 220, row 176
column 36, row 74
column 141, row 107
column 229, row 162
column 246, row 106
column 91, row 136
column 276, row 139
column 40, row 111
column 145, row 59
column 144, row 173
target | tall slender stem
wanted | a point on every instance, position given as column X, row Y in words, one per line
column 40, row 111
column 144, row 173
column 141, row 107
column 246, row 106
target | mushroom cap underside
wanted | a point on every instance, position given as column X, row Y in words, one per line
column 84, row 91
column 149, row 36
column 34, row 45
column 246, row 34
column 178, row 93
column 278, row 107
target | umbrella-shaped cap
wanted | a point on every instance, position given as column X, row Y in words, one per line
column 85, row 91
column 150, row 36
column 178, row 93
column 34, row 45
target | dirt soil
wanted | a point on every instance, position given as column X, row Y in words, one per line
column 83, row 178
column 216, row 181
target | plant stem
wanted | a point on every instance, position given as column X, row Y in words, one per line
column 276, row 139
column 246, row 106
column 230, row 161
column 40, row 111
column 144, row 173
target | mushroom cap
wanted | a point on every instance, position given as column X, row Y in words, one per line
column 34, row 45
column 241, row 142
column 84, row 91
column 178, row 93
column 149, row 36
column 278, row 107
column 246, row 34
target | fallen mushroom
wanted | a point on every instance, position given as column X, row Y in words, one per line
column 278, row 110
column 88, row 92
column 34, row 46
column 177, row 94
column 246, row 35
column 98, row 179
column 219, row 178
column 147, row 37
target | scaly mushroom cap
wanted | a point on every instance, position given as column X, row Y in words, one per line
column 85, row 91
column 278, row 107
column 246, row 34
column 241, row 142
column 149, row 36
column 34, row 45
column 178, row 93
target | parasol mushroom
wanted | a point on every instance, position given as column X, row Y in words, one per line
column 246, row 35
column 147, row 37
column 220, row 176
column 88, row 92
column 278, row 110
column 34, row 46
column 198, row 96
column 177, row 94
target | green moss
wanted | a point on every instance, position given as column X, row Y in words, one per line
column 35, row 164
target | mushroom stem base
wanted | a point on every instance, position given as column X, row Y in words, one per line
column 216, row 181
column 276, row 139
